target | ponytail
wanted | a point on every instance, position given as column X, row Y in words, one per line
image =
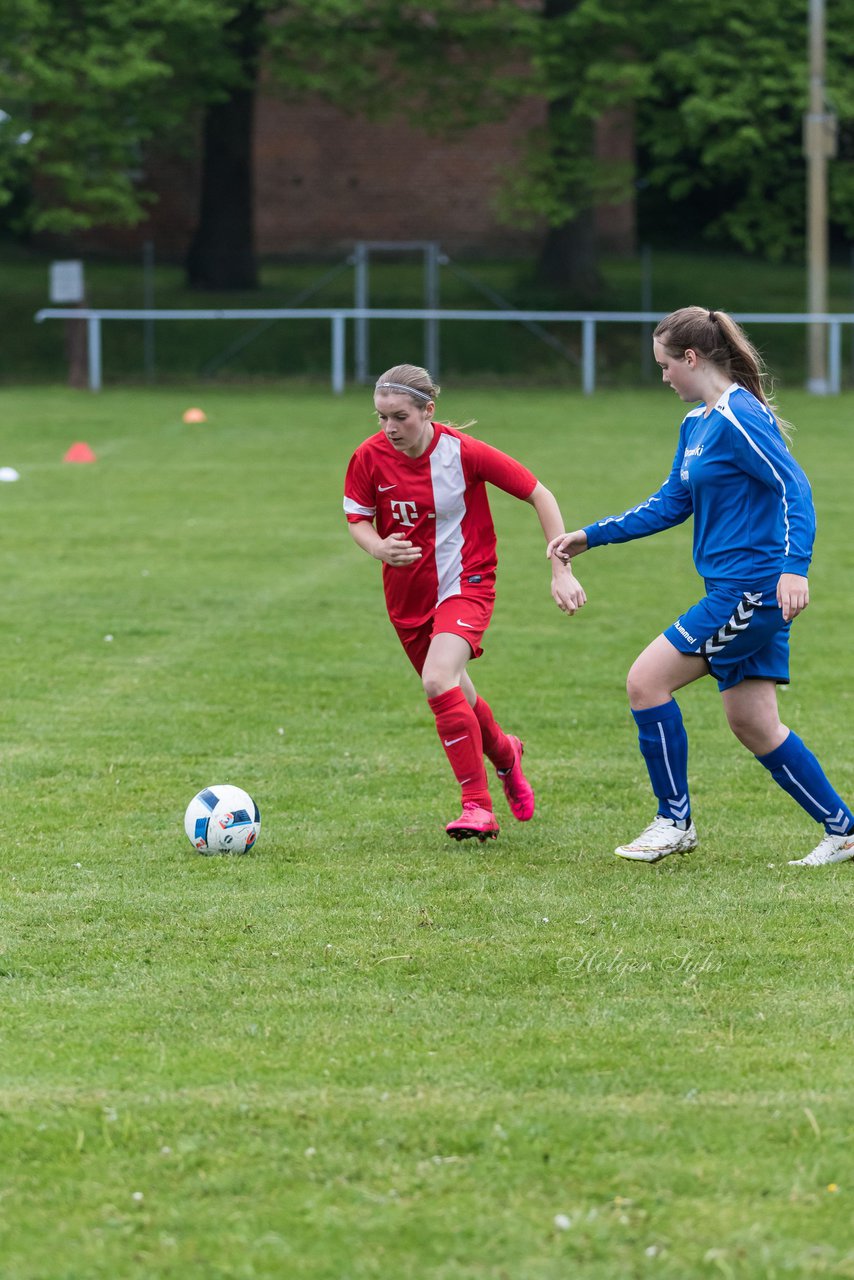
column 716, row 337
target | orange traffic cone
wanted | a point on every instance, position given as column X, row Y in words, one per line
column 79, row 452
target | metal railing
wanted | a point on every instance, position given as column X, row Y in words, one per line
column 338, row 317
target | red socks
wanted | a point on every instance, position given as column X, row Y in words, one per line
column 496, row 745
column 460, row 733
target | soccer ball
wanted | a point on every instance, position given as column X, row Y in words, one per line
column 222, row 820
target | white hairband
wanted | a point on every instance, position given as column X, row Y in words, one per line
column 398, row 386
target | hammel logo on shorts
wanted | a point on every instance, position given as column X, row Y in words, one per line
column 691, row 639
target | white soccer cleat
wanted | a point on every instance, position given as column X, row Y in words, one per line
column 661, row 838
column 829, row 849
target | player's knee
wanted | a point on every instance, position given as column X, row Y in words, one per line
column 749, row 737
column 752, row 733
column 637, row 686
column 645, row 688
column 437, row 682
column 736, row 724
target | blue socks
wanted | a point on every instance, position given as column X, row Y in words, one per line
column 664, row 746
column 794, row 767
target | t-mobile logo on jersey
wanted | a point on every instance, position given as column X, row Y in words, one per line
column 402, row 510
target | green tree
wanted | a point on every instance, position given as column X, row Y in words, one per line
column 585, row 59
column 432, row 63
column 222, row 251
column 96, row 82
column 90, row 83
column 721, row 123
column 717, row 96
column 440, row 64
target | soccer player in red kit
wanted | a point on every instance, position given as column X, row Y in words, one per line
column 415, row 498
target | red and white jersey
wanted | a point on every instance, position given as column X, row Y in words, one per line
column 439, row 502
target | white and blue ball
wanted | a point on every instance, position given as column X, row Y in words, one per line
column 222, row 819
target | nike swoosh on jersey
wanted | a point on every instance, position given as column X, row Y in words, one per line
column 449, row 742
column 382, row 487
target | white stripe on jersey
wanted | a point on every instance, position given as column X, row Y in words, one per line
column 449, row 488
column 640, row 507
column 356, row 509
column 723, row 406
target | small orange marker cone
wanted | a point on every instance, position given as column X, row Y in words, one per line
column 195, row 415
column 79, row 452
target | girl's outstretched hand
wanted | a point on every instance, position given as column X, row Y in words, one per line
column 567, row 545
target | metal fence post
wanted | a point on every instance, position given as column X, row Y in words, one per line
column 148, row 304
column 588, row 355
column 834, row 358
column 431, row 303
column 338, row 352
column 94, row 344
column 360, row 300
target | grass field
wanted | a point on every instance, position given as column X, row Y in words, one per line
column 363, row 1051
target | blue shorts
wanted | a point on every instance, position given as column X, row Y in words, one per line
column 741, row 634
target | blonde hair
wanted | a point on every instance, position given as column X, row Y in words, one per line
column 420, row 385
column 716, row 337
column 409, row 377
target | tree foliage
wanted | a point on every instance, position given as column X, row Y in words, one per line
column 717, row 94
column 722, row 121
column 443, row 64
column 585, row 60
column 373, row 54
column 91, row 82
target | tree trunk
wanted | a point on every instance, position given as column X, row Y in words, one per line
column 569, row 259
column 222, row 250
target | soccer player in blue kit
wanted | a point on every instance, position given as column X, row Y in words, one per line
column 754, row 525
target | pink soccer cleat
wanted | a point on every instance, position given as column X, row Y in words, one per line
column 474, row 821
column 517, row 788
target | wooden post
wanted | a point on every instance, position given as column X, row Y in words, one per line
column 77, row 351
column 67, row 289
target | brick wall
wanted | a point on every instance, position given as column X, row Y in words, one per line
column 325, row 180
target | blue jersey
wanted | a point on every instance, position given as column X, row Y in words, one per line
column 752, row 504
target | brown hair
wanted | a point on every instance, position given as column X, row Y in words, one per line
column 716, row 337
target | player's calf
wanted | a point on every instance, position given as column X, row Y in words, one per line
column 517, row 788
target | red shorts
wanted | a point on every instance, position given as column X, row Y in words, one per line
column 466, row 616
